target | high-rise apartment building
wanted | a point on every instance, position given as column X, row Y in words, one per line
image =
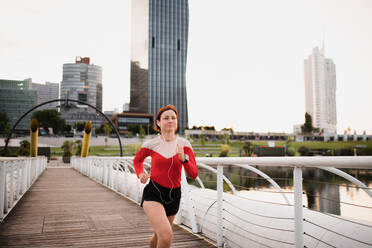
column 158, row 59
column 320, row 91
column 82, row 81
column 46, row 92
column 17, row 97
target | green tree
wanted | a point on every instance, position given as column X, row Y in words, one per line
column 4, row 124
column 68, row 148
column 24, row 148
column 107, row 129
column 211, row 128
column 303, row 150
column 133, row 128
column 142, row 132
column 228, row 129
column 226, row 138
column 50, row 118
column 67, row 128
column 225, row 150
column 307, row 127
column 202, row 140
column 79, row 126
column 291, row 151
column 78, row 146
column 248, row 148
column 99, row 129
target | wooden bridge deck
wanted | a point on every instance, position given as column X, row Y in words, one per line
column 66, row 209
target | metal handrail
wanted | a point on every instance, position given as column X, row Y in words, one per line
column 16, row 177
column 193, row 220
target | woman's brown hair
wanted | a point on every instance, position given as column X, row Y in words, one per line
column 160, row 111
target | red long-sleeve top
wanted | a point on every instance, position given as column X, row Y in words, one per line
column 164, row 160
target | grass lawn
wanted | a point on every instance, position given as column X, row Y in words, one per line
column 214, row 147
column 108, row 151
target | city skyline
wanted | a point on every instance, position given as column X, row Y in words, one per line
column 244, row 70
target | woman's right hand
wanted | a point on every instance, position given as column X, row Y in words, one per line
column 143, row 177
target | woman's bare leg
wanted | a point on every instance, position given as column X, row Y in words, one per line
column 160, row 222
column 154, row 239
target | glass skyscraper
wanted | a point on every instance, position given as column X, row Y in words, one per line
column 82, row 81
column 158, row 59
column 17, row 97
column 46, row 92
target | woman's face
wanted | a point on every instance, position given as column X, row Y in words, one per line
column 168, row 121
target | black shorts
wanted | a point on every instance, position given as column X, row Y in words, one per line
column 168, row 197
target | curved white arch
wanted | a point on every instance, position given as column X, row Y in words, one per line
column 224, row 178
column 348, row 177
column 262, row 174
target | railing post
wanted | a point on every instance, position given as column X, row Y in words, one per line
column 115, row 186
column 298, row 210
column 24, row 176
column 37, row 168
column 219, row 205
column 86, row 166
column 110, row 175
column 29, row 173
column 125, row 180
column 103, row 168
column 19, row 179
column 189, row 203
column 90, row 169
column 2, row 188
column 11, row 185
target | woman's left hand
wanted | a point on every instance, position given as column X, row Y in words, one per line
column 180, row 152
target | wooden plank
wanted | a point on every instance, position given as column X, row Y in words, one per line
column 66, row 209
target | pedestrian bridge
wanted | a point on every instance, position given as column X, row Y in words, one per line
column 94, row 203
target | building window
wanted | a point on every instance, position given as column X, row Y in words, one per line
column 178, row 45
column 82, row 97
column 153, row 42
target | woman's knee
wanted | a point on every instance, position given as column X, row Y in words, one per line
column 165, row 236
column 154, row 237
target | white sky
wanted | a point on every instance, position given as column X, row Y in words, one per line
column 245, row 58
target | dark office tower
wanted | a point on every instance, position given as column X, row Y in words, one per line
column 159, row 51
column 138, row 88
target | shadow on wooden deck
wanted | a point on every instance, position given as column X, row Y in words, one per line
column 66, row 209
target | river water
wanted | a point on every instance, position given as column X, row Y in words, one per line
column 323, row 191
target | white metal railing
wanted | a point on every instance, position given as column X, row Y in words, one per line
column 232, row 220
column 16, row 177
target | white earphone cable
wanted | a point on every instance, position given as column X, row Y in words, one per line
column 170, row 179
column 170, row 191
